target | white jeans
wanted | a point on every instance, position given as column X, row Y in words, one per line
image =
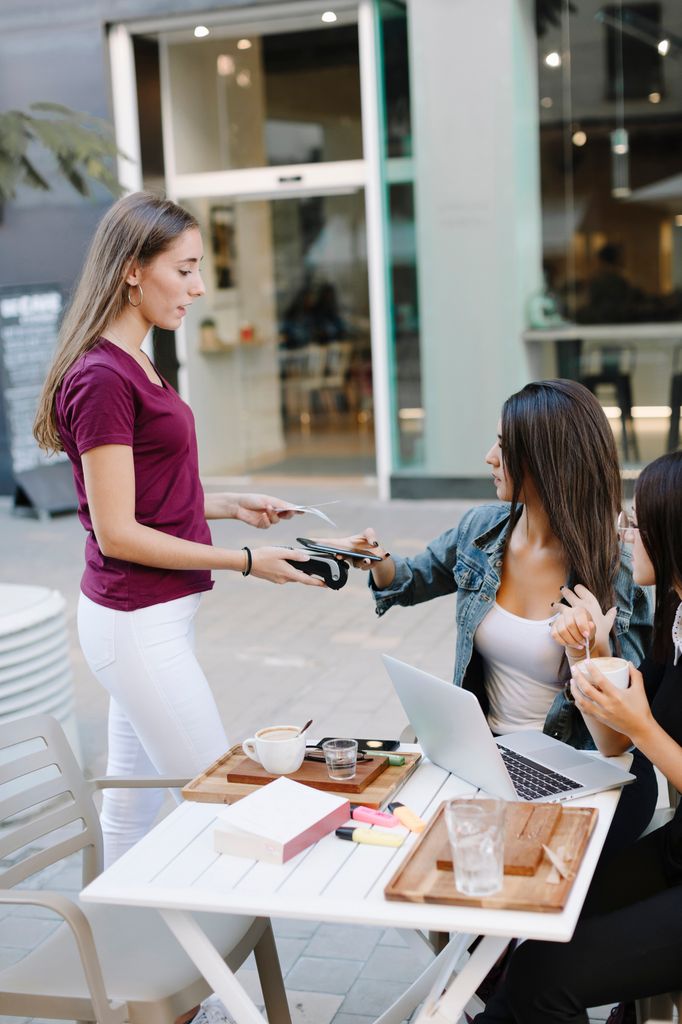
column 163, row 718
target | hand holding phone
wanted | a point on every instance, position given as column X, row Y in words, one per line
column 321, row 547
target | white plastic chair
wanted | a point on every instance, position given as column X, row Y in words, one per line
column 305, row 375
column 334, row 384
column 106, row 964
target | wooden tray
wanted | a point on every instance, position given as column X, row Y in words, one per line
column 526, row 827
column 212, row 785
column 419, row 880
column 312, row 773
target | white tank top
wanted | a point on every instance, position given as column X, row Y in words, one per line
column 521, row 669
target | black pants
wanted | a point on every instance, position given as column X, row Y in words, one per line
column 627, row 945
column 636, row 805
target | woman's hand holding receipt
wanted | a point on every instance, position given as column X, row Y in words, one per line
column 258, row 510
column 382, row 572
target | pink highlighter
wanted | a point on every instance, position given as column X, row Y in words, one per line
column 372, row 817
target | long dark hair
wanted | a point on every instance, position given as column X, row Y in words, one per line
column 138, row 228
column 556, row 433
column 658, row 495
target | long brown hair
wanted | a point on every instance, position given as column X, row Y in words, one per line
column 555, row 432
column 658, row 495
column 136, row 229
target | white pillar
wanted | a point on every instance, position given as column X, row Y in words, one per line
column 124, row 103
column 477, row 193
column 126, row 122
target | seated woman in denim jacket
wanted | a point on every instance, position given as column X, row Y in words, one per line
column 551, row 543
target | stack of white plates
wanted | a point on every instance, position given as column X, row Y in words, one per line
column 35, row 671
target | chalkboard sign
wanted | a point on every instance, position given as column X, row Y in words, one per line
column 29, row 322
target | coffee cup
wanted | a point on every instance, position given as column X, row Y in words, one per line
column 616, row 670
column 280, row 749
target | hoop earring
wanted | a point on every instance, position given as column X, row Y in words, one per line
column 135, row 304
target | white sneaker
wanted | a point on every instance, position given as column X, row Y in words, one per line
column 212, row 1011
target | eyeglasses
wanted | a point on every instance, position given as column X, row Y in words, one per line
column 627, row 527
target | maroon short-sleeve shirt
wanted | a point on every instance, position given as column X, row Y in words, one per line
column 107, row 398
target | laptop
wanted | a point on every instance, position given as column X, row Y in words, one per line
column 454, row 734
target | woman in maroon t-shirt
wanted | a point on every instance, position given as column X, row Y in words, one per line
column 132, row 444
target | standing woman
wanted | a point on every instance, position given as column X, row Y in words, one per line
column 628, row 942
column 148, row 552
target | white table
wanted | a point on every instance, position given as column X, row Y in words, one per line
column 175, row 869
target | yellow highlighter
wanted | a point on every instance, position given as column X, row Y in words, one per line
column 368, row 835
column 407, row 817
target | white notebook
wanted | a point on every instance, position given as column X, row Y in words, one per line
column 278, row 820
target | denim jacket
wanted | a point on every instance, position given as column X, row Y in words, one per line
column 467, row 560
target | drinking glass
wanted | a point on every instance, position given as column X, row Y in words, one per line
column 341, row 756
column 476, row 832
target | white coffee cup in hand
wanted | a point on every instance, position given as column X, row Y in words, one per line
column 280, row 749
column 616, row 670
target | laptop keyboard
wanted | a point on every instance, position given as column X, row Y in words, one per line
column 531, row 780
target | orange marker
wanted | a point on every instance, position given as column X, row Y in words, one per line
column 407, row 817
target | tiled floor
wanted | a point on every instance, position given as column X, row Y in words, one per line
column 364, row 969
column 271, row 652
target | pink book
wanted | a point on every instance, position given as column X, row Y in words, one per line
column 277, row 821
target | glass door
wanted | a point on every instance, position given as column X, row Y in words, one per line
column 278, row 353
column 263, row 141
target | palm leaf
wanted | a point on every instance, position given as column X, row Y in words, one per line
column 73, row 175
column 51, row 108
column 13, row 134
column 33, row 177
column 83, row 147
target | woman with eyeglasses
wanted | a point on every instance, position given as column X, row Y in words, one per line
column 628, row 942
column 549, row 544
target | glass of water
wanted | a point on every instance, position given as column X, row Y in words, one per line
column 341, row 757
column 476, row 832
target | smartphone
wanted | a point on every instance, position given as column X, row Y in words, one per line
column 370, row 746
column 328, row 549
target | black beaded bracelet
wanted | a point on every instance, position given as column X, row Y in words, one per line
column 249, row 562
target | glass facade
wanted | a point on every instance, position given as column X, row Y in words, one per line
column 265, row 100
column 407, row 407
column 610, row 108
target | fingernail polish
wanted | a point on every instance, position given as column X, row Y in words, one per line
column 375, row 543
column 387, row 555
